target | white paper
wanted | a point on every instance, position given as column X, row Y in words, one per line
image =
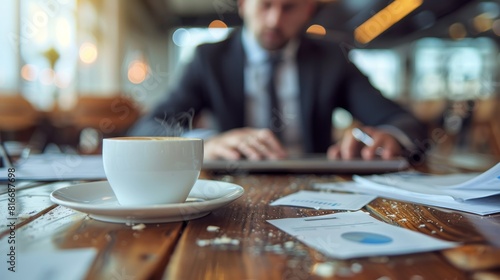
column 455, row 186
column 55, row 167
column 324, row 200
column 357, row 234
column 480, row 206
column 54, row 265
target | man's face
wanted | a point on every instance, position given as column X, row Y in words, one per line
column 275, row 22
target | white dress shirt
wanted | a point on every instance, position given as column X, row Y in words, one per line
column 256, row 76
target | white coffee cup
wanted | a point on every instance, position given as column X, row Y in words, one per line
column 152, row 170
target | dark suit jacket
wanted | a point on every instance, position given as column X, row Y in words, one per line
column 214, row 81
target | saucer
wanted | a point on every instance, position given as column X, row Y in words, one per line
column 98, row 200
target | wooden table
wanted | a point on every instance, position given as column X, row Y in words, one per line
column 171, row 251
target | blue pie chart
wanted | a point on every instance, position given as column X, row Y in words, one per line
column 366, row 237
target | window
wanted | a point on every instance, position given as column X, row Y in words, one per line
column 47, row 48
column 455, row 70
column 9, row 46
column 384, row 68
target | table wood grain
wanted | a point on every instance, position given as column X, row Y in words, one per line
column 122, row 251
column 264, row 252
column 249, row 247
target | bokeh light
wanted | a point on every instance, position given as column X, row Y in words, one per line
column 62, row 80
column 482, row 22
column 88, row 53
column 217, row 29
column 63, row 32
column 457, row 31
column 181, row 37
column 29, row 72
column 47, row 76
column 316, row 29
column 217, row 24
column 137, row 72
column 496, row 27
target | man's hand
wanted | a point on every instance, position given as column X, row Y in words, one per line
column 250, row 143
column 384, row 145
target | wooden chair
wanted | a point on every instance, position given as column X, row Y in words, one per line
column 431, row 113
column 107, row 116
column 486, row 125
column 17, row 117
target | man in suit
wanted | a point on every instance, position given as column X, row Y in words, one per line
column 313, row 77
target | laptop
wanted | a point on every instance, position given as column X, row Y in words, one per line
column 308, row 164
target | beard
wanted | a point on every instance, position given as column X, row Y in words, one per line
column 272, row 39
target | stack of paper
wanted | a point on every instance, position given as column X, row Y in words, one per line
column 475, row 193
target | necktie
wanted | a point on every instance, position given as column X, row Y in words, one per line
column 276, row 121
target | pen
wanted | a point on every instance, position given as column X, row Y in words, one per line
column 364, row 138
column 361, row 136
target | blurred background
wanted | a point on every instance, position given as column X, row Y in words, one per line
column 75, row 71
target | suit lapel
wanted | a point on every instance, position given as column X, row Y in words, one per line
column 234, row 62
column 306, row 62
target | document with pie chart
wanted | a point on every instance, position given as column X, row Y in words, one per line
column 357, row 234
